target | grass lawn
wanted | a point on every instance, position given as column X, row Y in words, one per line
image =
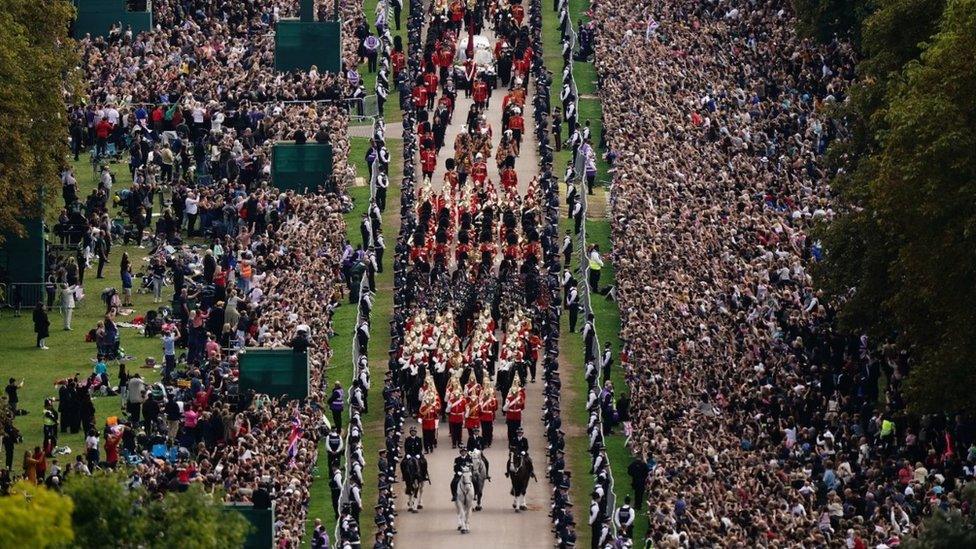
column 69, row 354
column 606, row 312
column 392, row 107
column 341, row 366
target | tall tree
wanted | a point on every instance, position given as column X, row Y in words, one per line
column 823, row 19
column 907, row 241
column 37, row 67
column 33, row 516
column 860, row 253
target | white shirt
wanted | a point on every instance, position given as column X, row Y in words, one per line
column 191, row 205
column 595, row 258
column 106, row 180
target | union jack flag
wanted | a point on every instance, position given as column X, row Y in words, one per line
column 293, row 437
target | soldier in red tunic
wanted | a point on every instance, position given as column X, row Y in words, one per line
column 456, row 407
column 428, row 161
column 430, row 84
column 479, row 171
column 517, row 124
column 480, row 93
column 489, row 406
column 419, row 95
column 514, row 404
column 429, row 411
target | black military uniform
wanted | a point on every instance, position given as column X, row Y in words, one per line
column 460, row 462
column 413, row 445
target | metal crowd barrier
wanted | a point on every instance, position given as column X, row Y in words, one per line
column 378, row 128
column 24, row 295
column 570, row 40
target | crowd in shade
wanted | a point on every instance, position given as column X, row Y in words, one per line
column 761, row 421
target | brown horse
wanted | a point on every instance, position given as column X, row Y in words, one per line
column 520, row 471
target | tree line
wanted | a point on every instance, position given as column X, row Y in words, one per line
column 901, row 252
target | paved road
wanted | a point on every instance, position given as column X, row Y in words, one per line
column 498, row 526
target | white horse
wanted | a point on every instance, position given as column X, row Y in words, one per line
column 464, row 502
column 479, row 473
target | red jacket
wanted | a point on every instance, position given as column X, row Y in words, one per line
column 456, row 413
column 516, row 122
column 518, row 13
column 103, row 129
column 488, row 409
column 428, row 159
column 428, row 417
column 516, row 403
column 473, row 417
column 445, row 58
column 399, row 61
column 480, row 92
column 479, row 172
column 430, row 82
column 419, row 97
column 509, row 178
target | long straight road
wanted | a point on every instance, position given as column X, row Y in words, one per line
column 498, row 525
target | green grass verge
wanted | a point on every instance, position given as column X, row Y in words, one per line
column 606, row 312
column 69, row 353
column 341, row 366
column 392, row 107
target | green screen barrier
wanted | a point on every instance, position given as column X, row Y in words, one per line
column 22, row 257
column 301, row 44
column 274, row 372
column 96, row 17
column 306, row 10
column 301, row 167
column 262, row 525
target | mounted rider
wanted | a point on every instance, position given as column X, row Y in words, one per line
column 460, row 463
column 518, row 446
column 476, row 442
column 413, row 448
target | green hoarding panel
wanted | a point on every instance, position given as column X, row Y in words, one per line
column 262, row 525
column 306, row 10
column 301, row 44
column 22, row 257
column 274, row 372
column 96, row 17
column 301, row 167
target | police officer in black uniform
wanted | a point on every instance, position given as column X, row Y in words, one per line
column 624, row 518
column 334, row 445
column 477, row 442
column 519, row 444
column 460, row 462
column 413, row 445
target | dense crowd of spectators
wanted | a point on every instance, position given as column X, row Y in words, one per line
column 200, row 88
column 193, row 105
column 760, row 420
